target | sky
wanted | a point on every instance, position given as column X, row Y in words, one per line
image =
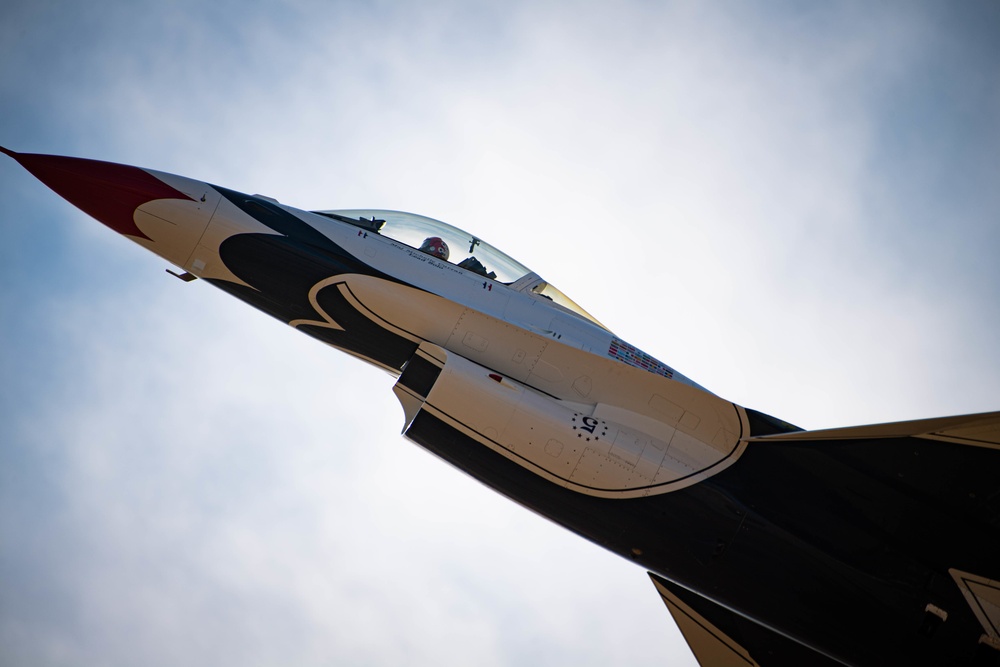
column 795, row 205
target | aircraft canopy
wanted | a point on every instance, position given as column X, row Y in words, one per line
column 465, row 250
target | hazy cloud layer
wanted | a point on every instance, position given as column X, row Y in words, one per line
column 797, row 207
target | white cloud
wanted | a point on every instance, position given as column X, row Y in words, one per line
column 188, row 481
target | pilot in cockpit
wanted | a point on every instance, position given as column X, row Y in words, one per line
column 434, row 245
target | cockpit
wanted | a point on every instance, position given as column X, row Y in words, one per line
column 457, row 247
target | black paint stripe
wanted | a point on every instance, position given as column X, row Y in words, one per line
column 270, row 214
column 419, row 376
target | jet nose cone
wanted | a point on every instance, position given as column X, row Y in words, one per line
column 106, row 191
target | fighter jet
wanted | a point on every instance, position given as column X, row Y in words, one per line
column 768, row 544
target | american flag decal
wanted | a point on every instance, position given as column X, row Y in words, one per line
column 633, row 356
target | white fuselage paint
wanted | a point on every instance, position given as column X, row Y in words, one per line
column 660, row 433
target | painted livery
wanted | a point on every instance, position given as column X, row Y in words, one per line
column 769, row 545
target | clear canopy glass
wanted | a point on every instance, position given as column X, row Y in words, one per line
column 463, row 249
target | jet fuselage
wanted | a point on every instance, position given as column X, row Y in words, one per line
column 843, row 548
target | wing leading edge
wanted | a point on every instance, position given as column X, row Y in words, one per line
column 978, row 430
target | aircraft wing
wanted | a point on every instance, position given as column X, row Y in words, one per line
column 980, row 430
column 943, row 463
column 933, row 457
column 719, row 637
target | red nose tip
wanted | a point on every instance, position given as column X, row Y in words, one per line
column 106, row 191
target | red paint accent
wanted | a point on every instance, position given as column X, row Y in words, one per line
column 106, row 191
column 495, row 377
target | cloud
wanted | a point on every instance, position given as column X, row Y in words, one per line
column 787, row 204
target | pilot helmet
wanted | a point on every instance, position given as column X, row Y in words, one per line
column 434, row 245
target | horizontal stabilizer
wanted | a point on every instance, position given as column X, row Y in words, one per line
column 983, row 596
column 980, row 430
column 719, row 637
